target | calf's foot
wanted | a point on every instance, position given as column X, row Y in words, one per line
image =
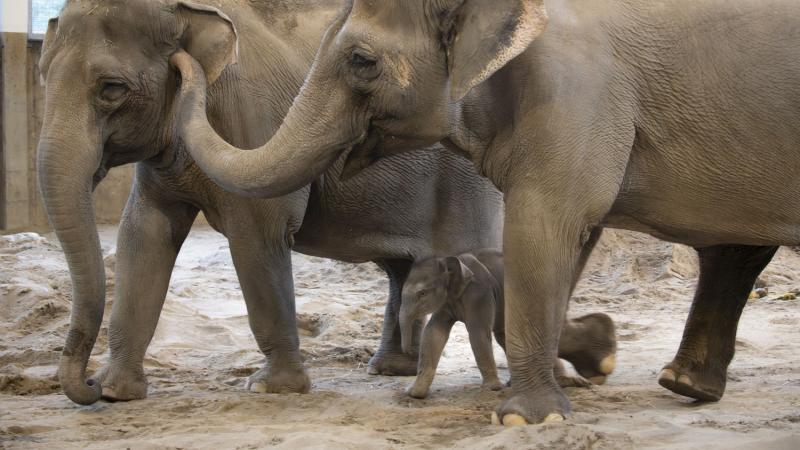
column 122, row 383
column 393, row 364
column 417, row 390
column 279, row 380
column 492, row 384
column 692, row 379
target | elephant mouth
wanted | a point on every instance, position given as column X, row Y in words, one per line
column 362, row 154
column 378, row 144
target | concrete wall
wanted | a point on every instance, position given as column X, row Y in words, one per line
column 14, row 16
column 22, row 98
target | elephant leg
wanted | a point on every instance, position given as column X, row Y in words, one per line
column 559, row 371
column 150, row 235
column 589, row 342
column 543, row 244
column 434, row 338
column 390, row 358
column 564, row 379
column 480, row 339
column 264, row 268
column 727, row 274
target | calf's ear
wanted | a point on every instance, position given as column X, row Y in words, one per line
column 209, row 36
column 481, row 36
column 460, row 275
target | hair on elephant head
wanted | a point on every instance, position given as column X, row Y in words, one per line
column 109, row 101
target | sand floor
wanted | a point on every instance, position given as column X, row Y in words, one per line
column 203, row 351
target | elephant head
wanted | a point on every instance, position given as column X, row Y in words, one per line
column 388, row 77
column 429, row 286
column 109, row 94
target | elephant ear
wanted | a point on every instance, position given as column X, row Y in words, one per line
column 209, row 35
column 47, row 48
column 481, row 36
column 460, row 275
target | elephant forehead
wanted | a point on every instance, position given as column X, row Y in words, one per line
column 397, row 20
column 416, row 285
column 420, row 281
column 116, row 22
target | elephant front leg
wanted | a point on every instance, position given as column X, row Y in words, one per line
column 543, row 242
column 390, row 358
column 150, row 236
column 434, row 338
column 265, row 275
column 727, row 274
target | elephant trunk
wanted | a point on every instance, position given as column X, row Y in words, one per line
column 407, row 319
column 317, row 129
column 66, row 167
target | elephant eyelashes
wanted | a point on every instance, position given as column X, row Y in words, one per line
column 364, row 64
column 113, row 91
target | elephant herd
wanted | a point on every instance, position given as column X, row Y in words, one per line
column 396, row 131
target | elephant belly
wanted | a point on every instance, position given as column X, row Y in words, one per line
column 691, row 195
column 416, row 204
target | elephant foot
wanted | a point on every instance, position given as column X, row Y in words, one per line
column 532, row 408
column 121, row 385
column 392, row 364
column 692, row 380
column 417, row 391
column 492, row 385
column 279, row 381
column 595, row 359
column 578, row 381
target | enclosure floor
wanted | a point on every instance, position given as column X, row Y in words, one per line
column 203, row 351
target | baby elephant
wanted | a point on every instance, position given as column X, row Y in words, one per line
column 469, row 288
column 466, row 288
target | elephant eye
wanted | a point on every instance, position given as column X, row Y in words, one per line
column 364, row 64
column 113, row 91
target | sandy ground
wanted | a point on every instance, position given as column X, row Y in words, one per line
column 203, row 351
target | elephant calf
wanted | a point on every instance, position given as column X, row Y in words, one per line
column 469, row 288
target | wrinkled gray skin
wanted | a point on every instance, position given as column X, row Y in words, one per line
column 468, row 288
column 667, row 117
column 109, row 101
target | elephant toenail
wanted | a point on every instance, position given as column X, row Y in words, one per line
column 512, row 420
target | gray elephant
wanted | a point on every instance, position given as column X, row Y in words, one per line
column 465, row 288
column 664, row 117
column 468, row 288
column 109, row 101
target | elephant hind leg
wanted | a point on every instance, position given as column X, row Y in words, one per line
column 727, row 274
column 264, row 268
column 590, row 343
column 390, row 358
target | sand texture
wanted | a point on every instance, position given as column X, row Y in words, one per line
column 203, row 352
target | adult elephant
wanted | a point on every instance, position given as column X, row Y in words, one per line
column 666, row 117
column 109, row 101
